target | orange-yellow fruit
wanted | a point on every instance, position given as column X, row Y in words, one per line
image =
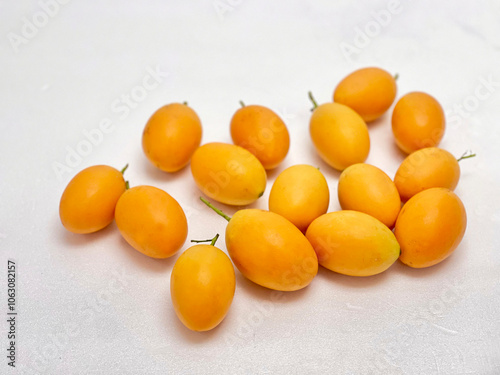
column 369, row 91
column 88, row 202
column 366, row 188
column 228, row 173
column 353, row 243
column 424, row 169
column 300, row 194
column 171, row 136
column 270, row 251
column 430, row 227
column 202, row 287
column 262, row 132
column 151, row 221
column 418, row 121
column 339, row 135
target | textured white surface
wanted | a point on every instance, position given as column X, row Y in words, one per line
column 67, row 78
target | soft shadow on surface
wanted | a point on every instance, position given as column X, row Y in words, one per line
column 148, row 263
column 328, row 171
column 384, row 120
column 155, row 173
column 354, row 281
column 76, row 240
column 261, row 293
column 439, row 268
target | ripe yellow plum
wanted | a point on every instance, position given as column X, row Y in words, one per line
column 262, row 132
column 366, row 188
column 340, row 135
column 369, row 91
column 202, row 286
column 228, row 173
column 151, row 221
column 353, row 243
column 300, row 194
column 418, row 121
column 88, row 202
column 170, row 136
column 430, row 227
column 424, row 169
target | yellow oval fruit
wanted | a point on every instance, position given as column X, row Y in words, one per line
column 171, row 136
column 300, row 194
column 151, row 221
column 340, row 135
column 270, row 251
column 228, row 173
column 353, row 243
column 418, row 121
column 424, row 169
column 430, row 227
column 202, row 287
column 88, row 202
column 369, row 91
column 262, row 132
column 366, row 188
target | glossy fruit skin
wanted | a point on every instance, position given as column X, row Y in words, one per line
column 202, row 286
column 262, row 132
column 88, row 202
column 418, row 121
column 228, row 173
column 369, row 91
column 424, row 169
column 340, row 135
column 170, row 136
column 151, row 221
column 430, row 227
column 270, row 251
column 353, row 243
column 300, row 194
column 366, row 188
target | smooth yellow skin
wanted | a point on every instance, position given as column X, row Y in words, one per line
column 340, row 135
column 353, row 243
column 171, row 136
column 430, row 227
column 202, row 287
column 262, row 132
column 366, row 188
column 418, row 121
column 151, row 221
column 369, row 91
column 424, row 169
column 228, row 173
column 300, row 194
column 88, row 202
column 270, row 251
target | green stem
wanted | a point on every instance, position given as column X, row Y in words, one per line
column 242, row 104
column 185, row 103
column 211, row 240
column 219, row 212
column 127, row 185
column 124, row 169
column 311, row 97
column 396, row 76
column 465, row 156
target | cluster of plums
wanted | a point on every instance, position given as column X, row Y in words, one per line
column 281, row 248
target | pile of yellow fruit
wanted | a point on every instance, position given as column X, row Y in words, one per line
column 281, row 248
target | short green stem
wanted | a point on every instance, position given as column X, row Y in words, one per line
column 465, row 156
column 127, row 185
column 124, row 169
column 242, row 104
column 219, row 212
column 185, row 103
column 396, row 76
column 211, row 240
column 311, row 97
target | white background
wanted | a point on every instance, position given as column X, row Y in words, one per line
column 69, row 74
